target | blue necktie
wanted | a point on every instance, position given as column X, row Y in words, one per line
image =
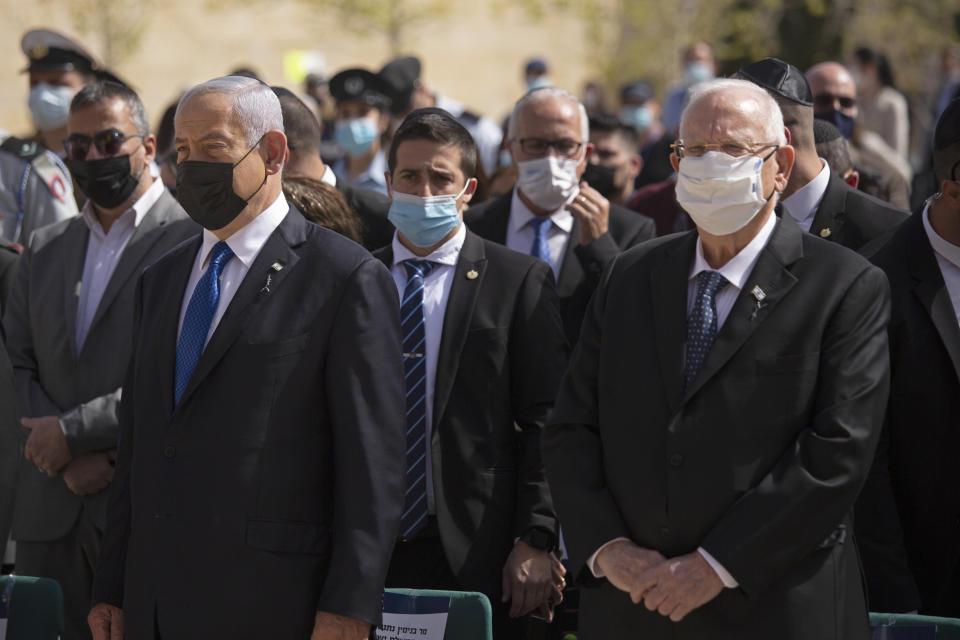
column 415, row 369
column 540, row 248
column 702, row 323
column 196, row 322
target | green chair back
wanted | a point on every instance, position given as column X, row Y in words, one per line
column 470, row 616
column 945, row 628
column 35, row 608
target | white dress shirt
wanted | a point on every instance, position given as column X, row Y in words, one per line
column 737, row 272
column 372, row 178
column 328, row 177
column 520, row 233
column 948, row 258
column 436, row 293
column 803, row 203
column 103, row 254
column 246, row 245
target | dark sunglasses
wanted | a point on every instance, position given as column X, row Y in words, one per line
column 107, row 142
column 824, row 101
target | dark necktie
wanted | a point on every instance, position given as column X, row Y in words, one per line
column 415, row 369
column 199, row 315
column 540, row 248
column 702, row 323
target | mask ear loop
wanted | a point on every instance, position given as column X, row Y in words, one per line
column 264, row 181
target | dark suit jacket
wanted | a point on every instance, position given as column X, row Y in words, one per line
column 9, row 441
column 907, row 520
column 51, row 377
column 501, row 357
column 759, row 462
column 274, row 488
column 8, row 263
column 582, row 265
column 852, row 218
column 372, row 207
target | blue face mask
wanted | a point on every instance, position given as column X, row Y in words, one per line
column 356, row 135
column 840, row 120
column 425, row 221
column 638, row 116
column 696, row 72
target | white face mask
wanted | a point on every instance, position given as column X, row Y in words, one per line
column 550, row 182
column 49, row 106
column 721, row 193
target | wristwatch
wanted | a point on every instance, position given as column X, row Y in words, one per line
column 539, row 538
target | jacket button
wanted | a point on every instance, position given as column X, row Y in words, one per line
column 170, row 451
column 676, row 460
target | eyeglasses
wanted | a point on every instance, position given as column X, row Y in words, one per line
column 825, row 101
column 729, row 148
column 566, row 147
column 107, row 142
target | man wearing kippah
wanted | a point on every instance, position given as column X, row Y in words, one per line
column 820, row 203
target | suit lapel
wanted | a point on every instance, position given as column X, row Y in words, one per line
column 492, row 225
column 571, row 273
column 464, row 292
column 830, row 216
column 931, row 290
column 772, row 275
column 252, row 292
column 74, row 256
column 668, row 286
column 133, row 255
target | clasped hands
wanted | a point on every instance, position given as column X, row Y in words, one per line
column 671, row 586
column 532, row 580
column 46, row 447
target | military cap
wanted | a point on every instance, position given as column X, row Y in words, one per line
column 51, row 51
column 360, row 85
column 948, row 126
column 781, row 78
column 536, row 65
column 636, row 92
column 402, row 75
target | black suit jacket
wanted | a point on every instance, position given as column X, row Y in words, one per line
column 274, row 488
column 501, row 356
column 582, row 264
column 8, row 264
column 372, row 207
column 759, row 462
column 9, row 447
column 852, row 218
column 907, row 516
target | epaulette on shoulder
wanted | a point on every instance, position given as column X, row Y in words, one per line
column 25, row 149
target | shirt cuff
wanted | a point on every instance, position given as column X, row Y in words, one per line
column 592, row 560
column 728, row 580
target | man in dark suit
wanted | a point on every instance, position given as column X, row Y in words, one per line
column 8, row 263
column 478, row 514
column 820, row 202
column 68, row 326
column 716, row 473
column 303, row 140
column 259, row 480
column 906, row 516
column 551, row 214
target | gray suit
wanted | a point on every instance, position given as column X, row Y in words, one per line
column 83, row 388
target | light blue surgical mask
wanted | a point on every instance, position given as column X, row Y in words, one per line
column 356, row 135
column 505, row 159
column 425, row 221
column 49, row 105
column 696, row 72
column 639, row 116
column 538, row 82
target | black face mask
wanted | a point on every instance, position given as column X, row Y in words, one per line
column 107, row 181
column 600, row 178
column 205, row 191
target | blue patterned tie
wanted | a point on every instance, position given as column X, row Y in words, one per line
column 415, row 369
column 196, row 322
column 702, row 323
column 540, row 248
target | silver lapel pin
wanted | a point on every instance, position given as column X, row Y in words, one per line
column 276, row 266
column 759, row 295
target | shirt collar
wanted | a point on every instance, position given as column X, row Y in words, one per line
column 946, row 250
column 378, row 165
column 802, row 204
column 139, row 208
column 328, row 177
column 738, row 269
column 248, row 241
column 446, row 254
column 520, row 214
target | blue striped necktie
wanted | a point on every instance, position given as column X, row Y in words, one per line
column 197, row 319
column 540, row 248
column 702, row 323
column 415, row 368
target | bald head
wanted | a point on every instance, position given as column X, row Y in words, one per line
column 731, row 111
column 833, row 87
column 550, row 103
